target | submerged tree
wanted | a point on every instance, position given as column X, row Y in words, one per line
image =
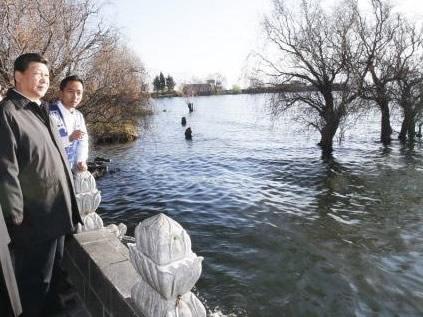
column 319, row 49
column 408, row 44
column 377, row 33
column 409, row 96
column 338, row 56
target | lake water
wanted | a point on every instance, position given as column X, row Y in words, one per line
column 283, row 232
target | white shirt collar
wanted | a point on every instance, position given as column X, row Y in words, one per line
column 64, row 109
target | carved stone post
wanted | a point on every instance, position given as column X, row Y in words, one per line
column 168, row 269
column 88, row 198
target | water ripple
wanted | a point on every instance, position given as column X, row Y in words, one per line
column 283, row 232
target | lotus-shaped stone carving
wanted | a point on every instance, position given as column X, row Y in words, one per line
column 169, row 280
column 84, row 182
column 88, row 202
column 152, row 304
column 162, row 239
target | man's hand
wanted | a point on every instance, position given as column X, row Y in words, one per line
column 76, row 135
column 81, row 166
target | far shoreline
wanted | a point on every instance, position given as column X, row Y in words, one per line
column 246, row 91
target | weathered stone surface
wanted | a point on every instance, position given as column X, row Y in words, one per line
column 88, row 199
column 151, row 304
column 169, row 280
column 163, row 240
column 92, row 221
column 89, row 237
column 118, row 230
column 168, row 268
column 99, row 264
column 100, row 256
column 84, row 182
column 88, row 202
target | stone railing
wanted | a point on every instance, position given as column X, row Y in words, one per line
column 163, row 272
column 168, row 268
column 88, row 198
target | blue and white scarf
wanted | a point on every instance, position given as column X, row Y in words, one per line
column 71, row 148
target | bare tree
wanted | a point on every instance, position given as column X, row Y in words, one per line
column 66, row 32
column 408, row 42
column 116, row 89
column 377, row 35
column 74, row 39
column 409, row 98
column 319, row 49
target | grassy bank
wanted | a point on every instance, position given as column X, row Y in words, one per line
column 118, row 130
column 108, row 133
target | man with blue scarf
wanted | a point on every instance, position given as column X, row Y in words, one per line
column 70, row 122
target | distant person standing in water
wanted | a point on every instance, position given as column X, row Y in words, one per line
column 70, row 122
column 36, row 186
column 190, row 106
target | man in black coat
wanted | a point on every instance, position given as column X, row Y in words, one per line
column 36, row 185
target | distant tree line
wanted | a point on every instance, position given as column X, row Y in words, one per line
column 74, row 38
column 374, row 56
column 162, row 84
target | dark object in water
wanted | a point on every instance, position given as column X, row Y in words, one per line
column 183, row 121
column 99, row 167
column 190, row 106
column 188, row 134
column 99, row 159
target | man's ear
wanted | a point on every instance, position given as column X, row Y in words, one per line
column 18, row 77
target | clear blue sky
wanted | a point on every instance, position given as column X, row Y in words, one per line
column 195, row 38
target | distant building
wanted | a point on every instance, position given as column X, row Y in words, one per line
column 198, row 89
column 219, row 86
column 216, row 84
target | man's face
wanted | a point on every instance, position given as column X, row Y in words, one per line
column 71, row 95
column 34, row 81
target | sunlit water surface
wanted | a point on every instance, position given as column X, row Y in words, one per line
column 283, row 232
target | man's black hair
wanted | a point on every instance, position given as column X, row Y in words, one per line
column 23, row 61
column 65, row 81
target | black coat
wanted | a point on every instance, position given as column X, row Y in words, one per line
column 7, row 275
column 36, row 184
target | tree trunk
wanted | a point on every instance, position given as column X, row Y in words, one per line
column 419, row 133
column 412, row 129
column 386, row 130
column 327, row 134
column 404, row 128
column 407, row 126
column 331, row 119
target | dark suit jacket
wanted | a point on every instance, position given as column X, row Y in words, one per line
column 7, row 275
column 36, row 184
